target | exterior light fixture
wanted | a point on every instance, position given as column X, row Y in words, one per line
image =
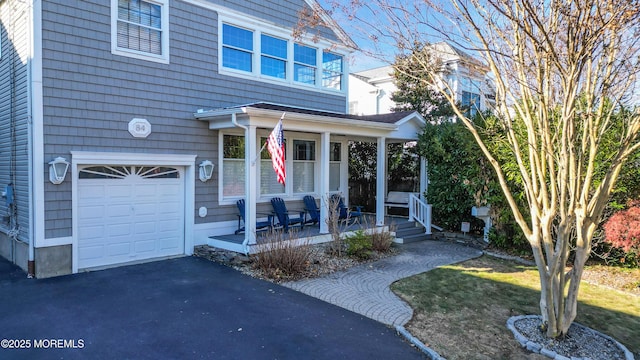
column 58, row 170
column 206, row 170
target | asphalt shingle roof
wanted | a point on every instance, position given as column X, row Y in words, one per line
column 390, row 118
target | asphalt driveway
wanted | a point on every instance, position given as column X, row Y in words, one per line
column 186, row 308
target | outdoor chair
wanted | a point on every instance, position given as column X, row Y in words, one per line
column 346, row 213
column 260, row 225
column 285, row 220
column 312, row 209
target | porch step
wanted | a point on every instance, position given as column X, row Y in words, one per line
column 408, row 232
column 415, row 230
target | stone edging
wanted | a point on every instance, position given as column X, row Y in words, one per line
column 509, row 257
column 537, row 348
column 422, row 347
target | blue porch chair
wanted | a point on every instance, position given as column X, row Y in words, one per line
column 260, row 225
column 280, row 209
column 345, row 212
column 312, row 209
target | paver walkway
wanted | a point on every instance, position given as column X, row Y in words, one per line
column 365, row 289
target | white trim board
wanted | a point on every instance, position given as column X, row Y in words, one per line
column 67, row 240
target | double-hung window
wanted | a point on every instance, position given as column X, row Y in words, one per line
column 270, row 54
column 304, row 66
column 331, row 70
column 304, row 161
column 237, row 48
column 273, row 61
column 140, row 29
column 470, row 101
column 269, row 184
column 233, row 175
column 335, row 155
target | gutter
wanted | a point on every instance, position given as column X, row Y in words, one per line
column 245, row 242
column 31, row 271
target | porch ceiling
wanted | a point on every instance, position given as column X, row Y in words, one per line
column 401, row 125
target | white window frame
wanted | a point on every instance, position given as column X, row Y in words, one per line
column 164, row 56
column 315, row 163
column 259, row 27
column 264, row 55
column 222, row 199
column 268, row 167
column 288, row 193
column 339, row 163
column 252, row 52
column 340, row 73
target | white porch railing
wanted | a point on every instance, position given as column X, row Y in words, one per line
column 420, row 211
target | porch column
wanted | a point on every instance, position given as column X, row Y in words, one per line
column 250, row 184
column 424, row 177
column 381, row 180
column 325, row 145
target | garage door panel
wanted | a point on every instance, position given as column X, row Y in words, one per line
column 146, row 209
column 145, row 246
column 122, row 229
column 117, row 210
column 145, row 228
column 119, row 248
column 90, row 233
column 92, row 252
column 95, row 212
column 166, row 244
column 131, row 218
column 90, row 192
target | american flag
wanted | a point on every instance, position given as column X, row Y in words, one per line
column 275, row 145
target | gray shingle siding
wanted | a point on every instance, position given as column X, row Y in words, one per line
column 14, row 110
column 90, row 94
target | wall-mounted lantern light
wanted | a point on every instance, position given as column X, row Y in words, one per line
column 58, row 170
column 206, row 170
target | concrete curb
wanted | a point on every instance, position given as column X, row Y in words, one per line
column 412, row 339
column 537, row 348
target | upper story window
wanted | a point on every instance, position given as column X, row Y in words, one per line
column 331, row 70
column 237, row 48
column 470, row 101
column 270, row 54
column 140, row 29
column 273, row 61
column 304, row 67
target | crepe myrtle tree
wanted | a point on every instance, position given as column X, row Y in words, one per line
column 562, row 70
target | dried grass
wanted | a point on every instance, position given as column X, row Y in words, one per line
column 281, row 258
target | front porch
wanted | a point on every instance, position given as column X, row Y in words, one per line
column 311, row 234
column 316, row 157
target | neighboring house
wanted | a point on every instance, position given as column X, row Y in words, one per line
column 140, row 98
column 370, row 90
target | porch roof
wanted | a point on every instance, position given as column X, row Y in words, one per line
column 401, row 125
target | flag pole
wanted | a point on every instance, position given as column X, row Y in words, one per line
column 253, row 162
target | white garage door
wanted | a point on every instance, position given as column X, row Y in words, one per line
column 129, row 213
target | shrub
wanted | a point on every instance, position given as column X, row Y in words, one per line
column 359, row 245
column 622, row 238
column 279, row 258
column 336, row 246
column 622, row 230
column 382, row 241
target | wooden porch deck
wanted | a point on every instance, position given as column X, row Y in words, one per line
column 309, row 233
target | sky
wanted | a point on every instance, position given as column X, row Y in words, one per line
column 358, row 61
column 386, row 44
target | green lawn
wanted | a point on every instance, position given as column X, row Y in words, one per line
column 461, row 310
